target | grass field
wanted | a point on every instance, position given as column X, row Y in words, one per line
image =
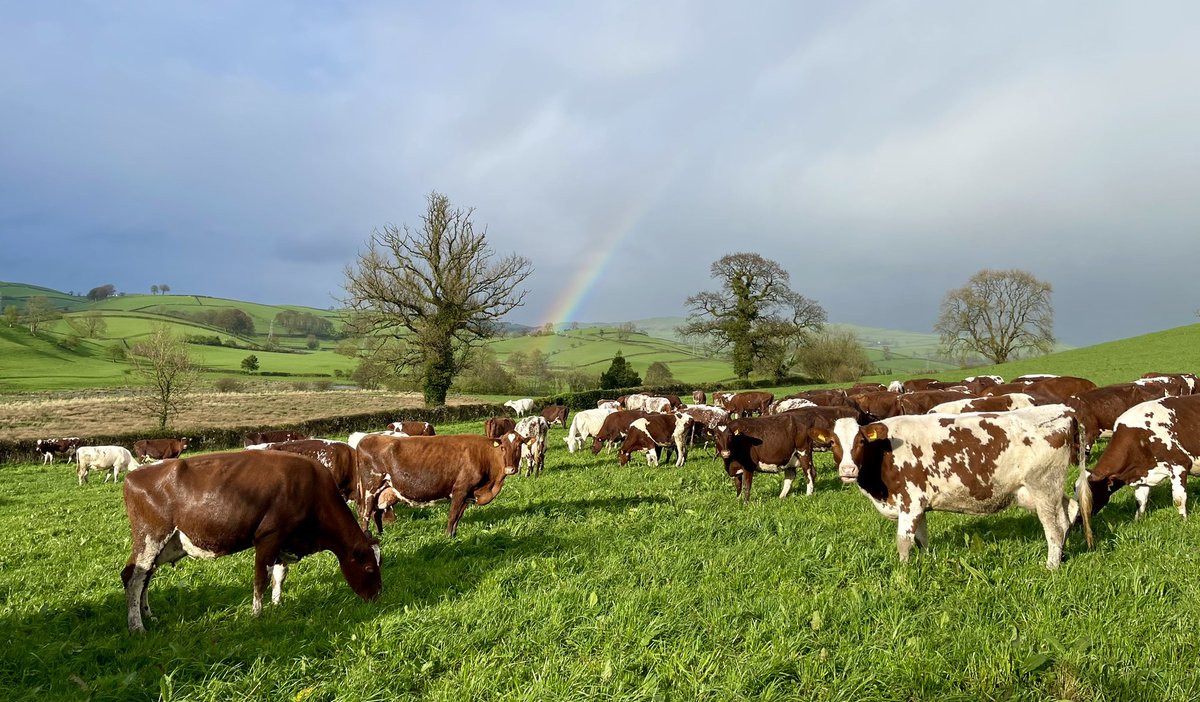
column 599, row 582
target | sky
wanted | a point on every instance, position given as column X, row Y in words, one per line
column 881, row 152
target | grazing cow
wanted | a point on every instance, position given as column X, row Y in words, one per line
column 586, row 424
column 832, row 397
column 877, row 405
column 865, row 387
column 1034, row 378
column 116, row 458
column 968, row 463
column 920, row 401
column 976, row 384
column 422, row 470
column 1178, row 383
column 521, row 407
column 915, row 384
column 1099, row 409
column 720, row 398
column 1055, row 388
column 614, row 428
column 497, row 427
column 611, row 405
column 357, row 436
column 895, row 386
column 780, row 442
column 412, row 428
column 1152, row 442
column 791, row 403
column 705, row 418
column 556, row 414
column 283, row 505
column 533, row 452
column 66, row 445
column 698, row 397
column 676, row 403
column 271, row 437
column 157, row 449
column 997, row 403
column 338, row 457
column 649, row 433
column 745, row 404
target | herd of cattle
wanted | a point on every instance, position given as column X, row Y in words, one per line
column 974, row 447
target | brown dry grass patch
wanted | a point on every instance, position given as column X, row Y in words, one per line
column 110, row 413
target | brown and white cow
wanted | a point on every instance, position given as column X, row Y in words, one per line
column 611, row 405
column 1053, row 388
column 976, row 384
column 721, row 398
column 921, row 401
column 614, row 427
column 338, row 457
column 556, row 414
column 791, row 403
column 833, row 397
column 1152, row 442
column 1177, row 383
column 1099, row 409
column 997, row 403
column 648, row 434
column 157, row 449
column 47, row 448
column 422, row 470
column 585, row 425
column 283, row 505
column 744, row 404
column 705, row 419
column 699, row 398
column 865, row 387
column 969, row 463
column 413, row 428
column 534, row 429
column 773, row 444
column 496, row 427
column 271, row 437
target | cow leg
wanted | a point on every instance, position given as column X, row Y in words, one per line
column 810, row 472
column 458, row 505
column 747, row 480
column 920, row 532
column 789, row 475
column 1050, row 512
column 135, row 576
column 278, row 573
column 1141, row 494
column 907, row 526
column 1179, row 491
column 266, row 556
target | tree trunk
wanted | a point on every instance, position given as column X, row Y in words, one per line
column 439, row 374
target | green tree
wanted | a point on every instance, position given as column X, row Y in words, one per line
column 434, row 292
column 153, row 289
column 88, row 325
column 162, row 361
column 755, row 314
column 12, row 315
column 250, row 363
column 312, row 342
column 38, row 311
column 834, row 356
column 619, row 375
column 997, row 314
column 659, row 374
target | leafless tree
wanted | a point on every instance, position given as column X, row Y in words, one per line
column 998, row 314
column 88, row 325
column 162, row 361
column 625, row 330
column 38, row 311
column 755, row 312
column 434, row 292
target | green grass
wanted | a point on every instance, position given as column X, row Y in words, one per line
column 599, row 582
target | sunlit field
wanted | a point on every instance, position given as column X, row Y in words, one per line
column 595, row 581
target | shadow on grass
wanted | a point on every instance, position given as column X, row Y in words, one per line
column 558, row 508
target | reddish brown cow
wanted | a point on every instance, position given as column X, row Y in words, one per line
column 877, row 405
column 1099, row 409
column 825, row 398
column 1177, row 383
column 745, row 404
column 271, row 437
column 556, row 414
column 918, row 384
column 421, row 470
column 976, row 384
column 1053, row 389
column 614, row 428
column 413, row 428
column 338, row 457
column 283, row 505
column 921, row 401
column 721, row 398
column 497, row 427
column 865, row 387
column 660, row 430
column 158, row 449
column 998, row 403
column 699, row 398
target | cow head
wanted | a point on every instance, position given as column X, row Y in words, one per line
column 851, row 444
column 723, row 440
column 509, row 446
column 183, row 444
column 360, row 568
column 635, row 440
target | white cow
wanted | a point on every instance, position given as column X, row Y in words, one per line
column 791, row 404
column 534, row 453
column 103, row 458
column 521, row 407
column 358, row 436
column 584, row 425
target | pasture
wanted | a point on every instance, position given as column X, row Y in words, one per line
column 596, row 581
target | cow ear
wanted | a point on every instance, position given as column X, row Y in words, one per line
column 818, row 435
column 875, row 432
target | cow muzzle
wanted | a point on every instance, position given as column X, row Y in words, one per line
column 511, row 470
column 848, row 472
column 724, row 454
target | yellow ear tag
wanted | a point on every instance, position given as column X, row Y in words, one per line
column 495, row 443
column 871, row 435
column 737, row 432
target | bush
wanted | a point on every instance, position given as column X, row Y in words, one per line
column 312, row 342
column 322, row 385
column 228, row 385
column 835, row 357
column 300, row 386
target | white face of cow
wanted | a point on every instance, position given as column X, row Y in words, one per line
column 845, row 433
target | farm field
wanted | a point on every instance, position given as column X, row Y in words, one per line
column 601, row 582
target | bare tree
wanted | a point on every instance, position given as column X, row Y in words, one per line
column 38, row 311
column 998, row 314
column 755, row 313
column 434, row 292
column 162, row 361
column 88, row 325
column 625, row 330
column 163, row 288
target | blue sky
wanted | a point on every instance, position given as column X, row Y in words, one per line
column 882, row 152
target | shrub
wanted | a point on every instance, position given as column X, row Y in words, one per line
column 835, row 357
column 322, row 385
column 299, row 385
column 228, row 385
column 312, row 342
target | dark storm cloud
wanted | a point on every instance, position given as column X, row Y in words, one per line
column 881, row 151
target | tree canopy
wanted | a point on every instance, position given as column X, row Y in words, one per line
column 998, row 314
column 619, row 375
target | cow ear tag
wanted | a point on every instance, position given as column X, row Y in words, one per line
column 736, row 432
column 495, row 444
column 872, row 435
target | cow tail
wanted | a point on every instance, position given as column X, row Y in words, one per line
column 1083, row 488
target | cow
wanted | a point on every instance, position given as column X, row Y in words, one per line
column 46, row 448
column 1034, row 378
column 534, row 429
column 920, row 401
column 148, row 450
column 649, row 433
column 791, row 403
column 779, row 442
column 996, row 403
column 284, row 505
column 412, row 428
column 585, row 425
column 705, row 418
column 968, row 463
column 338, row 457
column 915, row 384
column 877, row 405
column 647, row 403
column 520, row 407
column 699, row 398
column 976, row 384
column 422, row 470
column 614, row 428
column 271, row 437
column 1099, row 409
column 611, row 405
column 497, row 427
column 116, row 458
column 1177, row 383
column 1054, row 388
column 556, row 414
column 676, row 403
column 357, row 436
column 1152, row 442
column 720, row 398
column 865, row 387
column 745, row 404
column 832, row 397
